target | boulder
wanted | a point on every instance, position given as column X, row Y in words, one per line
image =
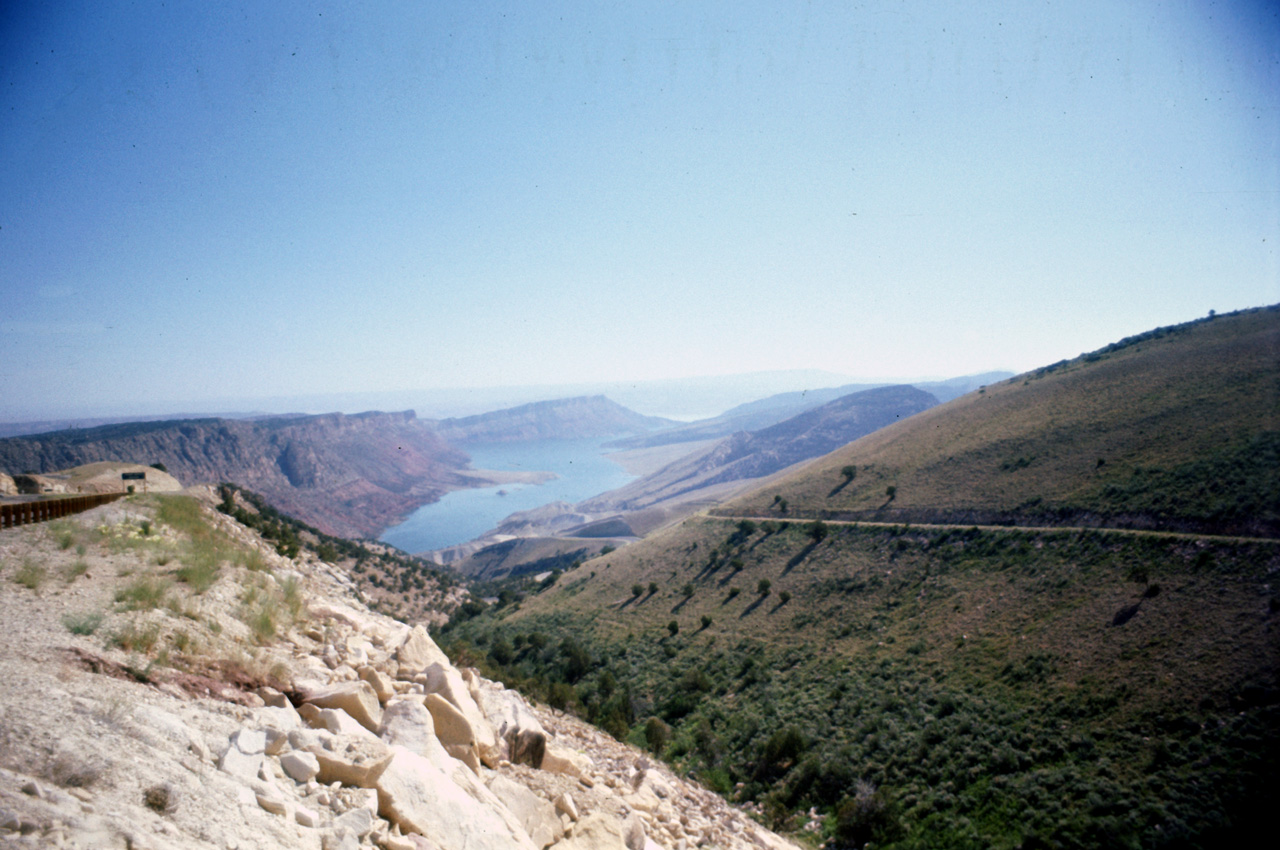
column 406, row 722
column 634, row 834
column 447, row 682
column 566, row 806
column 417, row 653
column 351, row 761
column 514, row 722
column 244, row 757
column 418, row 797
column 567, row 762
column 300, row 766
column 453, row 730
column 359, row 821
column 334, row 720
column 537, row 817
column 595, row 832
column 380, row 682
column 357, row 699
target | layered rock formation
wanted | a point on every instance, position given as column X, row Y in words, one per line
column 346, row 475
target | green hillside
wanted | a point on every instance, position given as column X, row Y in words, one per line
column 924, row 686
column 1177, row 428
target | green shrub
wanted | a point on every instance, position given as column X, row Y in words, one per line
column 143, row 593
column 291, row 594
column 763, row 587
column 674, row 628
column 200, row 573
column 132, row 638
column 74, row 570
column 656, row 735
column 82, row 624
column 31, row 575
column 262, row 622
column 864, row 817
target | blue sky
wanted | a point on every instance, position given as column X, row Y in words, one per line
column 293, row 199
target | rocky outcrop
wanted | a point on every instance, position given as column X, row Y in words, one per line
column 346, row 475
column 390, row 745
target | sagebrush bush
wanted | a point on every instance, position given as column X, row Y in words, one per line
column 31, row 574
column 143, row 593
column 82, row 624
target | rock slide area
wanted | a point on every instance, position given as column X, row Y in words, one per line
column 157, row 697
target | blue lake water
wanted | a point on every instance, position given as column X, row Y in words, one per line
column 464, row 515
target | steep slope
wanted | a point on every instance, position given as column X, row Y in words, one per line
column 346, row 475
column 962, row 686
column 1177, row 428
column 570, row 418
column 174, row 682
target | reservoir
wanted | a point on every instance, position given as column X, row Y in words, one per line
column 581, row 468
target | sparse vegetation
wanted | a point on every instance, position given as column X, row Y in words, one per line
column 31, row 574
column 143, row 593
column 82, row 624
column 136, row 638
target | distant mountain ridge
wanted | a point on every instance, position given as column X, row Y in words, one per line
column 569, row 418
column 759, row 414
column 755, row 454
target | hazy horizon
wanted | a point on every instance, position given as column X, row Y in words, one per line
column 682, row 399
column 301, row 200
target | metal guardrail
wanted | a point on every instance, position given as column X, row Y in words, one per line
column 42, row 510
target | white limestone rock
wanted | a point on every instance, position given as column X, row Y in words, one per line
column 357, row 699
column 416, row 795
column 537, row 816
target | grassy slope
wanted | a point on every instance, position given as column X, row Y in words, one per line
column 1177, row 417
column 999, row 688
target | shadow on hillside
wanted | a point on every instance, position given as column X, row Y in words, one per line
column 753, row 606
column 683, row 602
column 763, row 538
column 728, row 578
column 706, row 570
column 843, row 484
column 635, row 600
column 775, row 608
column 800, row 556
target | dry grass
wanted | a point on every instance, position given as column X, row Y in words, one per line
column 143, row 593
column 1038, row 438
column 31, row 575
